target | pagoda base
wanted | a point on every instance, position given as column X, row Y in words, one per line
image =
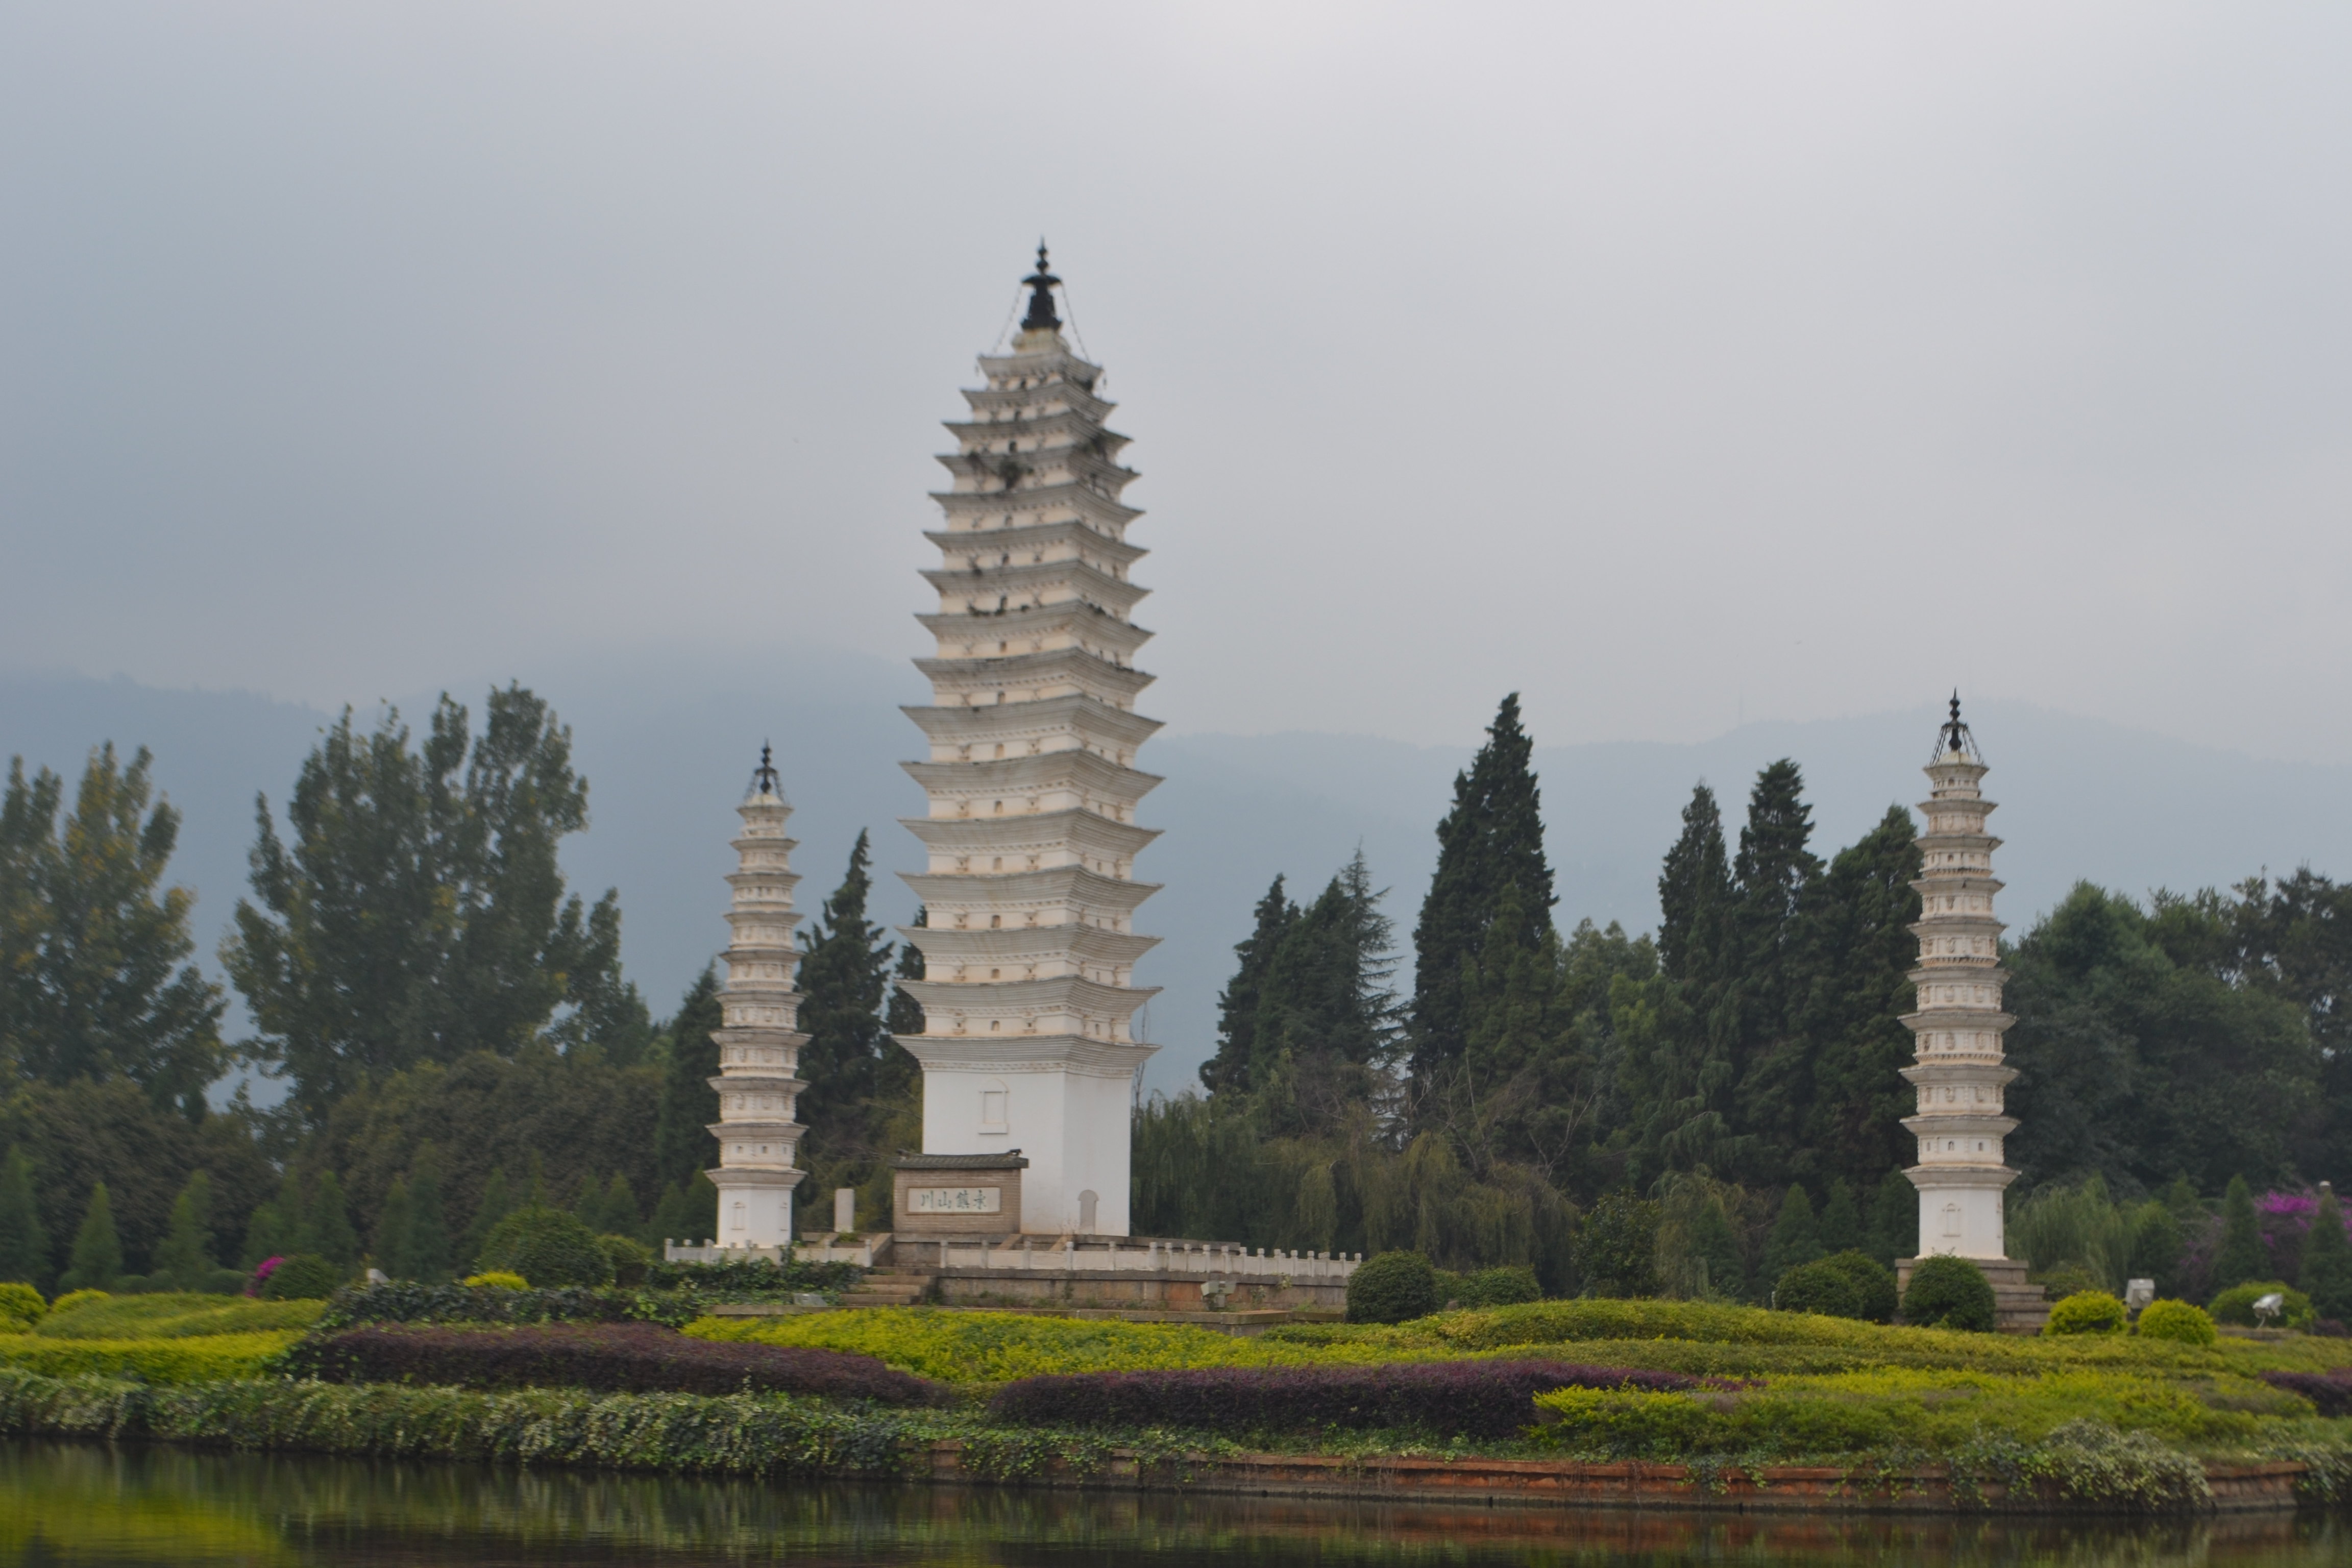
column 2019, row 1308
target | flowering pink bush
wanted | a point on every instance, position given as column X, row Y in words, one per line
column 261, row 1274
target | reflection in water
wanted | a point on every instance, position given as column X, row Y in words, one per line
column 63, row 1503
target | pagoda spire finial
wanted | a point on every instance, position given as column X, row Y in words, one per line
column 1955, row 736
column 1042, row 283
column 763, row 777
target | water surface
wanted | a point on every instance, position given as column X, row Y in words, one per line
column 85, row 1503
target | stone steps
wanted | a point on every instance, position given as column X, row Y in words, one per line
column 886, row 1291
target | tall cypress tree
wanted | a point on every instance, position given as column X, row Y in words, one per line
column 1229, row 1070
column 904, row 1015
column 428, row 1220
column 1695, row 894
column 844, row 979
column 394, row 1218
column 2327, row 1261
column 2241, row 1256
column 682, row 1144
column 24, row 1240
column 1490, row 840
column 184, row 1259
column 496, row 1203
column 97, row 1260
column 327, row 1222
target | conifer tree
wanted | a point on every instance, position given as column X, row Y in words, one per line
column 844, row 977
column 2327, row 1261
column 1893, row 1219
column 2241, row 1256
column 93, row 977
column 496, row 1203
column 904, row 1015
column 1324, row 1014
column 1841, row 1220
column 1796, row 1236
column 393, row 1219
column 24, row 1240
column 427, row 1244
column 184, row 1257
column 325, row 1225
column 1695, row 894
column 97, row 1259
column 1771, row 873
column 1228, row 1071
column 688, row 1213
column 610, row 1209
column 271, row 1231
column 1490, row 840
column 682, row 1143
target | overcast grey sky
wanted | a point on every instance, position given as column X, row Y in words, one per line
column 1672, row 364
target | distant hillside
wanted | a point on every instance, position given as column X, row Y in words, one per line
column 668, row 744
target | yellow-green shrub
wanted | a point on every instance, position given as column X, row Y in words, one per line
column 21, row 1307
column 997, row 1347
column 72, row 1298
column 186, row 1360
column 2177, row 1320
column 498, row 1279
column 2087, row 1312
column 175, row 1315
column 2236, row 1305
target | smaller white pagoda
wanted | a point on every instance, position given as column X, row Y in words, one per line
column 759, row 1050
column 1959, row 1068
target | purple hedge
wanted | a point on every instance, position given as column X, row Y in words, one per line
column 2330, row 1393
column 610, row 1358
column 1479, row 1398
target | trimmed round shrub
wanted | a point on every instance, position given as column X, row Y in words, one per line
column 2065, row 1279
column 1505, row 1287
column 305, row 1276
column 1392, row 1289
column 2087, row 1312
column 2236, row 1305
column 1874, row 1283
column 2178, row 1320
column 72, row 1298
column 546, row 1246
column 21, row 1307
column 629, row 1260
column 1818, row 1287
column 497, row 1279
column 1950, row 1293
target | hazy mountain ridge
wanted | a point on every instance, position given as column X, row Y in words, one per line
column 668, row 740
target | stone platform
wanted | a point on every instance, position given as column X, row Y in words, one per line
column 2018, row 1308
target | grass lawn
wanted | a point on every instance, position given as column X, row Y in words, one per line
column 165, row 1338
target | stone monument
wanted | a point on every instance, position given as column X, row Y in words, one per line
column 1029, row 1048
column 1958, row 1070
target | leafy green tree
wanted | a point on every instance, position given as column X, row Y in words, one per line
column 93, row 981
column 612, row 1209
column 682, row 1143
column 2155, row 1247
column 97, row 1259
column 1228, row 1071
column 688, row 1213
column 2327, row 1261
column 1796, row 1236
column 1492, row 840
column 23, row 1240
column 184, row 1259
column 2241, row 1256
column 1617, row 1246
column 419, row 913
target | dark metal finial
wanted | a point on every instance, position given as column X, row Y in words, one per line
column 1955, row 736
column 1042, row 283
column 763, row 777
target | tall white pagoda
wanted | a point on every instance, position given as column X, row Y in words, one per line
column 1029, row 1048
column 759, row 1050
column 1960, row 1071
